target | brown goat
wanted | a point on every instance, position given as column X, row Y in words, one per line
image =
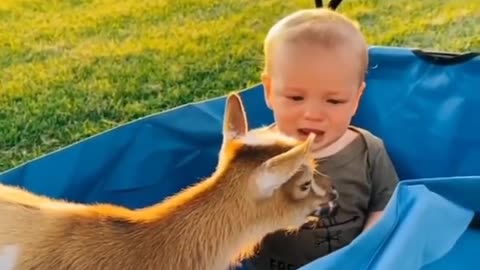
column 264, row 182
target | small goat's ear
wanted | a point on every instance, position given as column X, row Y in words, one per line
column 235, row 120
column 277, row 170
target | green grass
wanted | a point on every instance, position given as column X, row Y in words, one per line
column 71, row 69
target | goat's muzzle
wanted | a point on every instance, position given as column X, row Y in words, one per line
column 329, row 208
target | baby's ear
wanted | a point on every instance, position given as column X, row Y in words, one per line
column 235, row 119
column 361, row 90
column 277, row 170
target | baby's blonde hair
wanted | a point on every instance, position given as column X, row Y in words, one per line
column 319, row 26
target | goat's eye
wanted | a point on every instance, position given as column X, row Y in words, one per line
column 305, row 186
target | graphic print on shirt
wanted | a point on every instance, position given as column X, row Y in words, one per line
column 326, row 229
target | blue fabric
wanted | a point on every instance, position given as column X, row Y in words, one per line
column 419, row 227
column 425, row 112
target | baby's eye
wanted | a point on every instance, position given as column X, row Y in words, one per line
column 295, row 98
column 335, row 101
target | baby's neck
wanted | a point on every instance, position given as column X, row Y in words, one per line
column 338, row 145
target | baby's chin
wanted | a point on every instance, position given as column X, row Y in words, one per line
column 317, row 147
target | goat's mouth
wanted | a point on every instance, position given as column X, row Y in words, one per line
column 325, row 210
column 314, row 219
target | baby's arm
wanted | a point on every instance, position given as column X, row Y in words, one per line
column 384, row 180
column 372, row 219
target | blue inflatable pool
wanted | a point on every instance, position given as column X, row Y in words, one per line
column 423, row 105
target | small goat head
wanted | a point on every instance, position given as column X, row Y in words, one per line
column 275, row 173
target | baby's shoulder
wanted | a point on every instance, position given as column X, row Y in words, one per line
column 374, row 143
column 378, row 157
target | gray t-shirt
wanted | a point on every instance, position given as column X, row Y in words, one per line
column 365, row 179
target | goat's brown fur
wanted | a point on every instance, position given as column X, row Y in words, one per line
column 256, row 189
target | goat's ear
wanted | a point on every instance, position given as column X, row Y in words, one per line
column 277, row 170
column 235, row 120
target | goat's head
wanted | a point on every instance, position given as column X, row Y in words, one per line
column 276, row 174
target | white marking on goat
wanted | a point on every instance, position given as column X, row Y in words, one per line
column 331, row 204
column 318, row 190
column 9, row 256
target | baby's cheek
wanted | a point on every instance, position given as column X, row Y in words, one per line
column 287, row 126
column 289, row 111
column 284, row 117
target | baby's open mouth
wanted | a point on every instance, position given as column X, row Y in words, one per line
column 306, row 131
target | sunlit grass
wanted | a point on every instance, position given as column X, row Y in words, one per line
column 70, row 69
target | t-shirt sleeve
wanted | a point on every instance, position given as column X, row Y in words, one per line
column 384, row 178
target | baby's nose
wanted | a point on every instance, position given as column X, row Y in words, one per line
column 315, row 112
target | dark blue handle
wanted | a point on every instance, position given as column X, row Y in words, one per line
column 444, row 58
column 333, row 4
column 475, row 223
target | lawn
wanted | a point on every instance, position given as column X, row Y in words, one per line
column 71, row 69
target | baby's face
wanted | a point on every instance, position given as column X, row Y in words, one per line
column 313, row 89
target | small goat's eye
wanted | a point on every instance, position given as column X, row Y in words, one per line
column 305, row 186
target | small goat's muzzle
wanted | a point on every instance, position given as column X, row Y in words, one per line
column 330, row 207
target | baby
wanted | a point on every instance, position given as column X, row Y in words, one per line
column 315, row 64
